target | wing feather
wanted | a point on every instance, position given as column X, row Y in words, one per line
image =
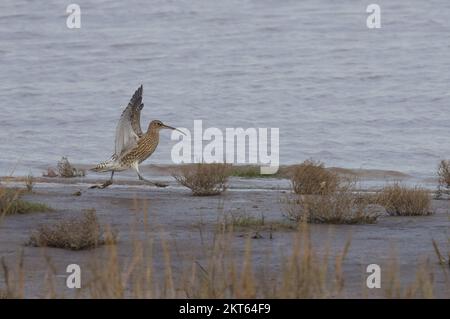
column 128, row 130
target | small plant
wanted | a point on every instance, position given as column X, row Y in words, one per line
column 65, row 169
column 204, row 179
column 29, row 183
column 79, row 233
column 243, row 220
column 10, row 203
column 342, row 206
column 400, row 200
column 312, row 177
column 443, row 178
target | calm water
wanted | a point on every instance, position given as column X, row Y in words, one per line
column 339, row 92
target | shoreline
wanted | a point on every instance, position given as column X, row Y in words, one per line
column 242, row 178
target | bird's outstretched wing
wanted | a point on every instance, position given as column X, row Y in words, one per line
column 128, row 129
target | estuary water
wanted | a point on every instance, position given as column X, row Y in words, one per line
column 338, row 91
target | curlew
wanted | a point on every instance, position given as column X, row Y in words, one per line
column 132, row 146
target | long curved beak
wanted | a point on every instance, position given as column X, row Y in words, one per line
column 173, row 128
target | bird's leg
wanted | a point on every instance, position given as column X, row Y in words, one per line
column 108, row 183
column 105, row 184
column 136, row 168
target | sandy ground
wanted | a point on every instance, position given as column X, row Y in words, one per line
column 187, row 224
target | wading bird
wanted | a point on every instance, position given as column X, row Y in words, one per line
column 132, row 146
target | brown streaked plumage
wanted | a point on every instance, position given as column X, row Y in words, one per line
column 132, row 147
column 145, row 147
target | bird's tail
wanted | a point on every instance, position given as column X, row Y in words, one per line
column 105, row 166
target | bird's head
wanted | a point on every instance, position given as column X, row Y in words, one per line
column 157, row 125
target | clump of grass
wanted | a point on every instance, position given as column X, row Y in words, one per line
column 311, row 177
column 400, row 200
column 303, row 269
column 443, row 173
column 29, row 183
column 65, row 169
column 342, row 206
column 204, row 179
column 243, row 220
column 10, row 203
column 24, row 207
column 80, row 233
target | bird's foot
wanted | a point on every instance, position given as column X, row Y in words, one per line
column 102, row 186
column 157, row 184
column 160, row 184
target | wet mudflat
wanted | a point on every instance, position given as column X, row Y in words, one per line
column 185, row 228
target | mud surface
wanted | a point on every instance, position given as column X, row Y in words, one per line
column 187, row 225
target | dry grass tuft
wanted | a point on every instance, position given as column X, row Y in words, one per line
column 443, row 178
column 312, row 178
column 243, row 220
column 10, row 203
column 84, row 232
column 423, row 286
column 405, row 201
column 13, row 280
column 342, row 206
column 306, row 272
column 29, row 183
column 65, row 169
column 204, row 179
column 222, row 273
